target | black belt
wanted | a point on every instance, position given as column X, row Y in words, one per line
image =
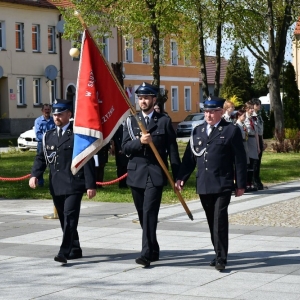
column 251, row 136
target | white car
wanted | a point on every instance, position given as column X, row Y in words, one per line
column 27, row 140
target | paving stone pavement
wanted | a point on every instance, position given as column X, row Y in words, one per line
column 264, row 260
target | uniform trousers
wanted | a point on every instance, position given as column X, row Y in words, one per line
column 216, row 210
column 41, row 178
column 68, row 209
column 147, row 202
column 257, row 163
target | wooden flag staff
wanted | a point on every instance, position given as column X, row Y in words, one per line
column 143, row 129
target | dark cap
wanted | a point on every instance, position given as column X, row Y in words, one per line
column 61, row 105
column 147, row 89
column 214, row 103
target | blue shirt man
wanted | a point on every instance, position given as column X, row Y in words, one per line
column 41, row 125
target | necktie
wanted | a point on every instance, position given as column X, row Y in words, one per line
column 212, row 128
column 147, row 121
column 60, row 133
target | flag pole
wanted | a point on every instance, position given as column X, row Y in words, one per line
column 143, row 129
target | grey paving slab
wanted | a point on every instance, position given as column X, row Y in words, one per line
column 263, row 262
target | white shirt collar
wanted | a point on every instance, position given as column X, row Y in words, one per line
column 63, row 128
column 149, row 115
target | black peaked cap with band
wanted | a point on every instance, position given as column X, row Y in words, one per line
column 61, row 105
column 214, row 103
column 147, row 89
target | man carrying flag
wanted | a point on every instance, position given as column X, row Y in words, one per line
column 146, row 177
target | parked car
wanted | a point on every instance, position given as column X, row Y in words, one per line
column 185, row 127
column 27, row 140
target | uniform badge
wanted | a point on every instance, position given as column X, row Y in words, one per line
column 220, row 128
column 202, row 130
column 52, row 147
column 197, row 149
column 200, row 143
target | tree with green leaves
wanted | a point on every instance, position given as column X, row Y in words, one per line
column 262, row 27
column 153, row 19
column 237, row 81
column 290, row 99
column 260, row 80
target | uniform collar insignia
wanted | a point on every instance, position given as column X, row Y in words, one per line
column 202, row 130
column 220, row 128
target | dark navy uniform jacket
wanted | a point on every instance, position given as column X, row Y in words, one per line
column 142, row 161
column 219, row 159
column 61, row 179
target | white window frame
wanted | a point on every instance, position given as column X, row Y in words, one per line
column 162, row 52
column 36, row 91
column 52, row 90
column 187, row 98
column 2, row 35
column 129, row 50
column 105, row 47
column 174, row 98
column 145, row 51
column 52, row 38
column 174, row 53
column 36, row 32
column 20, row 35
column 21, row 90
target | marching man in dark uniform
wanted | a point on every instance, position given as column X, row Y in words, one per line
column 216, row 148
column 66, row 189
column 145, row 177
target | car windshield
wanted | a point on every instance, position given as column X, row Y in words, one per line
column 197, row 117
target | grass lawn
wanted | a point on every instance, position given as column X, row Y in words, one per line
column 276, row 167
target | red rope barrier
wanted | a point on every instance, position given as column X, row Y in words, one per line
column 28, row 175
column 112, row 181
column 15, row 179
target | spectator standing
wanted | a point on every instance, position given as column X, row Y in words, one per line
column 258, row 120
column 100, row 161
column 253, row 146
column 41, row 125
column 240, row 119
column 228, row 110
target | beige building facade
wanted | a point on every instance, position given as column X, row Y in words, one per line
column 30, row 63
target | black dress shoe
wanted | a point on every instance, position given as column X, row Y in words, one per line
column 154, row 257
column 60, row 258
column 143, row 261
column 220, row 264
column 75, row 255
column 213, row 263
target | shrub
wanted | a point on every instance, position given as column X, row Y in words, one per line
column 281, row 145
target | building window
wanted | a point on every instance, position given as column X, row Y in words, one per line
column 187, row 59
column 36, row 91
column 20, row 36
column 21, row 91
column 51, row 39
column 187, row 99
column 174, row 53
column 104, row 47
column 145, row 54
column 2, row 35
column 36, row 38
column 174, row 98
column 162, row 52
column 129, row 50
column 52, row 90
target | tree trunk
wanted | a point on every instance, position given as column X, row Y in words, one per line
column 202, row 54
column 275, row 64
column 218, row 52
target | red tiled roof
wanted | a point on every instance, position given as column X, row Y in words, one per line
column 211, row 69
column 297, row 28
column 41, row 3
